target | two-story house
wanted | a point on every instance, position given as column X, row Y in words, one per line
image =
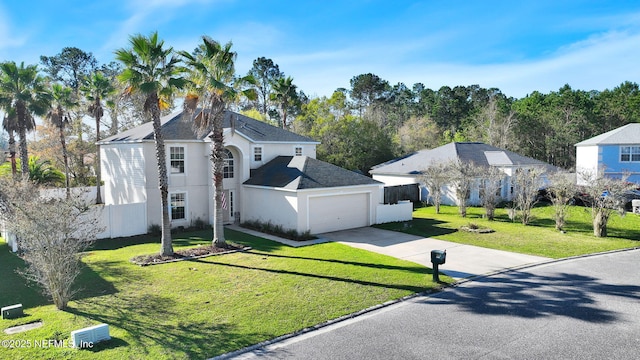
column 270, row 175
column 614, row 153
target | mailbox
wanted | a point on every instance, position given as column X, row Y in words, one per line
column 438, row 257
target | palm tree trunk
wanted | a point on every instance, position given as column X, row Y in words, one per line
column 113, row 129
column 217, row 139
column 12, row 152
column 24, row 155
column 65, row 157
column 166, row 248
column 284, row 117
column 97, row 164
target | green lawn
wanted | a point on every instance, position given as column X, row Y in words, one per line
column 202, row 308
column 538, row 238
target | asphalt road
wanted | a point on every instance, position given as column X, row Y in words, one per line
column 586, row 308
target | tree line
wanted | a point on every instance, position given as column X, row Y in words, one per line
column 374, row 121
column 371, row 122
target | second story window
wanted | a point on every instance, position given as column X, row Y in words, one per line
column 176, row 157
column 298, row 150
column 257, row 153
column 227, row 169
column 629, row 153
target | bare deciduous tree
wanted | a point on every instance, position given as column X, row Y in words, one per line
column 51, row 235
column 435, row 177
column 604, row 195
column 418, row 133
column 526, row 186
column 463, row 175
column 496, row 123
column 490, row 189
column 562, row 188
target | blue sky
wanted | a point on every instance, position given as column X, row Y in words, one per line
column 518, row 47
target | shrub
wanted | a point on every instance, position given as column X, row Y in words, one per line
column 154, row 229
column 199, row 224
column 277, row 230
column 475, row 228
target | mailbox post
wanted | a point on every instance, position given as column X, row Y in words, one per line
column 438, row 257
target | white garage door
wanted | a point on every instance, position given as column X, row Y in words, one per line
column 338, row 212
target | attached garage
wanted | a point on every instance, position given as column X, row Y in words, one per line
column 338, row 212
column 314, row 195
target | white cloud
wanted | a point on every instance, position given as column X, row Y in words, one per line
column 147, row 14
column 597, row 63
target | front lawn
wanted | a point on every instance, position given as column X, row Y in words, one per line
column 205, row 307
column 538, row 238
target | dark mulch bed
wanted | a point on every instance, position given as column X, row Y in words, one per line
column 186, row 254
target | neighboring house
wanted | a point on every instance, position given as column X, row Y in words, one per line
column 408, row 169
column 614, row 153
column 270, row 175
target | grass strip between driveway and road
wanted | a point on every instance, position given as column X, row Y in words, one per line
column 201, row 308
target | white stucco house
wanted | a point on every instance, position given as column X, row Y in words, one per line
column 613, row 153
column 408, row 169
column 270, row 175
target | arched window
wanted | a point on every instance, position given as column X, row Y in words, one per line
column 227, row 169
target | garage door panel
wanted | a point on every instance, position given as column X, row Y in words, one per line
column 338, row 212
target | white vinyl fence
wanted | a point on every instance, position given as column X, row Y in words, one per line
column 402, row 211
column 116, row 220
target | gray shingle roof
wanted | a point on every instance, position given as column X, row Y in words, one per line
column 479, row 153
column 625, row 135
column 177, row 127
column 303, row 172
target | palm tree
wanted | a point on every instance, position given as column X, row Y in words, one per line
column 213, row 84
column 96, row 88
column 24, row 91
column 285, row 94
column 41, row 172
column 153, row 71
column 62, row 101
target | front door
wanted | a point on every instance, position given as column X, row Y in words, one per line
column 228, row 205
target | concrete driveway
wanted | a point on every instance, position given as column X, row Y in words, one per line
column 463, row 261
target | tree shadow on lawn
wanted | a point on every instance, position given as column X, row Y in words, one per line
column 189, row 238
column 151, row 318
column 92, row 282
column 14, row 289
column 424, row 227
column 412, row 288
column 528, row 295
column 415, row 269
column 256, row 243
